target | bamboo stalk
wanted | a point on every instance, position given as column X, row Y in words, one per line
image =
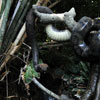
column 15, row 11
column 4, row 21
column 2, row 6
column 18, row 39
column 15, row 46
column 9, row 34
column 21, row 18
column 1, row 19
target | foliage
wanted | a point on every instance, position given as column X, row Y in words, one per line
column 30, row 73
column 68, row 67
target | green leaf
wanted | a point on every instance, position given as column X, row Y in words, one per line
column 30, row 73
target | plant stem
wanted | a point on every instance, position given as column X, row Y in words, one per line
column 45, row 89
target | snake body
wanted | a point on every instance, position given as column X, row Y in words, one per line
column 31, row 34
column 87, row 44
column 58, row 35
